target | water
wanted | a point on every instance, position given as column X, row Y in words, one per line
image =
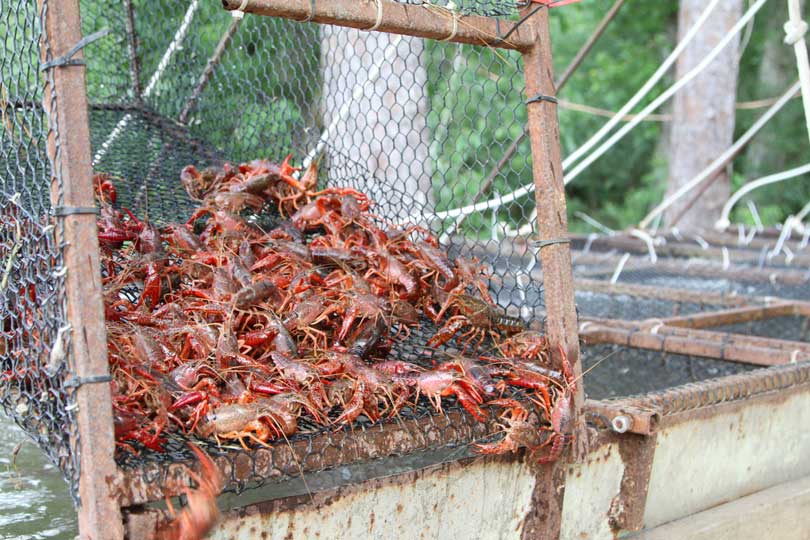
column 34, row 500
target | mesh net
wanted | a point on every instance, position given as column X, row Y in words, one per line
column 421, row 126
column 33, row 327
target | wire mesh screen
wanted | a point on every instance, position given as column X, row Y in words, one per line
column 399, row 118
column 617, row 371
column 34, row 331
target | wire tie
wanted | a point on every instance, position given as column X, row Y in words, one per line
column 311, row 15
column 540, row 244
column 67, row 59
column 377, row 24
column 64, row 211
column 451, row 7
column 76, row 382
column 541, row 97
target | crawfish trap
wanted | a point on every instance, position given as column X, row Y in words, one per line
column 123, row 119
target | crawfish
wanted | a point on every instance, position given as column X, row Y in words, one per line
column 438, row 383
column 257, row 421
column 520, row 427
column 477, row 318
column 201, row 511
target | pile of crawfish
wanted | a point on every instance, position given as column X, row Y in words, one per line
column 223, row 330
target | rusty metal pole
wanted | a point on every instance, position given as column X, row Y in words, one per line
column 555, row 255
column 66, row 104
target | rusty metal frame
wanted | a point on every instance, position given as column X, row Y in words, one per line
column 65, row 102
column 426, row 21
column 104, row 496
column 719, row 248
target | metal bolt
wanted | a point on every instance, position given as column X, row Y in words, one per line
column 622, row 423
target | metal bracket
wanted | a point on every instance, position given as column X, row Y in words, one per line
column 67, row 59
column 64, row 211
column 75, row 382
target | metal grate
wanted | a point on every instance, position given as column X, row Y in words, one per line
column 33, row 325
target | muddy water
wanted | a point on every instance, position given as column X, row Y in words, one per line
column 34, row 500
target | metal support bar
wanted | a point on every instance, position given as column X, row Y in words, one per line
column 661, row 293
column 732, row 316
column 561, row 321
column 716, row 345
column 66, row 105
column 641, row 421
column 425, row 21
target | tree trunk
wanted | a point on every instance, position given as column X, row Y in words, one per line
column 703, row 112
column 375, row 99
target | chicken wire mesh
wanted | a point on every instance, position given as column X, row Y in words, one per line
column 400, row 118
column 35, row 377
column 419, row 125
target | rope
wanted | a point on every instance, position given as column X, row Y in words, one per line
column 239, row 13
column 642, row 92
column 669, row 92
column 378, row 22
column 718, row 163
column 723, row 222
column 607, row 113
column 451, row 7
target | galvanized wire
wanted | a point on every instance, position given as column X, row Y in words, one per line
column 34, row 330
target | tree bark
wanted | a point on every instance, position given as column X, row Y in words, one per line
column 703, row 112
column 384, row 127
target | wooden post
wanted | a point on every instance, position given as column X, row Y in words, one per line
column 99, row 514
column 555, row 255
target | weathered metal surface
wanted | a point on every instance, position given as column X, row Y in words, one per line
column 777, row 512
column 719, row 345
column 552, row 221
column 590, row 489
column 66, row 104
column 544, row 518
column 662, row 293
column 396, row 437
column 674, row 403
column 728, row 451
column 642, row 421
column 485, row 498
column 686, row 250
column 426, row 21
column 732, row 316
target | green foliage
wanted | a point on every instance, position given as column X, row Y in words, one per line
column 476, row 100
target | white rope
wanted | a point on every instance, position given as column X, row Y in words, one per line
column 647, row 239
column 644, row 90
column 451, row 6
column 528, row 188
column 594, row 223
column 784, row 236
column 669, row 92
column 239, row 13
column 759, row 227
column 378, row 22
column 721, row 160
column 723, row 222
column 122, row 124
column 795, row 29
column 803, row 213
column 619, row 267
